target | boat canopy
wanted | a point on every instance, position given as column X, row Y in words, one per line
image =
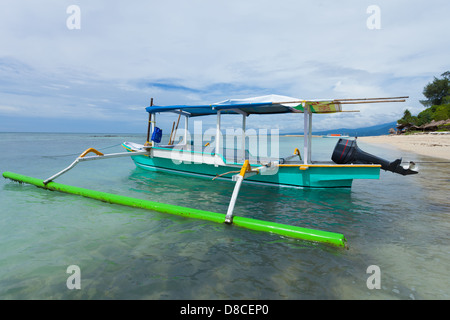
column 269, row 104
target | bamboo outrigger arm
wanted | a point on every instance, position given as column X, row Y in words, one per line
column 99, row 156
column 246, row 171
column 239, row 178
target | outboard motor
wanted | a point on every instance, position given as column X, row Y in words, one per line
column 346, row 151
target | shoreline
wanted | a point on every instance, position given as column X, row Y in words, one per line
column 437, row 146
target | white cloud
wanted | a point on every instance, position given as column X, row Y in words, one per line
column 199, row 51
column 10, row 110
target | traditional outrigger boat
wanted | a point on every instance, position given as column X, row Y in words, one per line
column 215, row 161
column 297, row 170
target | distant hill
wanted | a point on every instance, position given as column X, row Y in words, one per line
column 377, row 130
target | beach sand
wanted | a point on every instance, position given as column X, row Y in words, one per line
column 432, row 145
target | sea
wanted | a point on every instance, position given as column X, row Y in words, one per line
column 397, row 230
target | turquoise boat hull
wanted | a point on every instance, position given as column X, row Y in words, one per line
column 295, row 176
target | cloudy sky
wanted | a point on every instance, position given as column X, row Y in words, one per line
column 100, row 77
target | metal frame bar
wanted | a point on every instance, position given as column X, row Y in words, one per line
column 82, row 158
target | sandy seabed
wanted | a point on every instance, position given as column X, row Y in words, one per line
column 433, row 145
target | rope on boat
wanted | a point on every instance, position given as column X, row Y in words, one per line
column 223, row 174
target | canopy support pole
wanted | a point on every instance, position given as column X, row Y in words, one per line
column 243, row 137
column 153, row 143
column 186, row 124
column 306, row 145
column 218, row 135
column 310, row 136
column 147, row 143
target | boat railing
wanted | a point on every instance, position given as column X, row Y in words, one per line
column 233, row 156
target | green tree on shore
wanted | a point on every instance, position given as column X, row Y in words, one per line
column 437, row 103
column 438, row 91
column 407, row 118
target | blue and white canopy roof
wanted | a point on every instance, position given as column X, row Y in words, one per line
column 269, row 104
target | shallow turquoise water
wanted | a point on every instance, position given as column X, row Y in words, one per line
column 397, row 223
